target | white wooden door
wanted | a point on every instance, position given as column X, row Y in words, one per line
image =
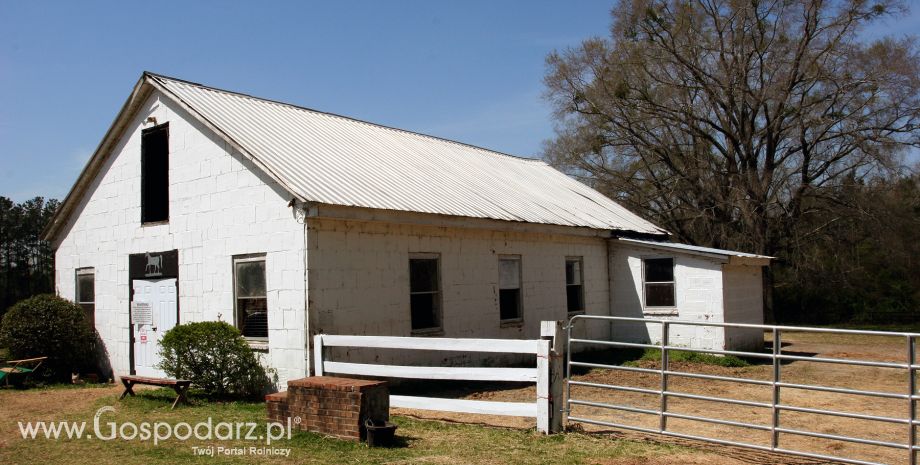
column 161, row 295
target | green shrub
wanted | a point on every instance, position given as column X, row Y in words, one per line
column 49, row 326
column 688, row 356
column 216, row 357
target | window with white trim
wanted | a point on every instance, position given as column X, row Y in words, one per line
column 509, row 288
column 658, row 281
column 574, row 285
column 85, row 295
column 425, row 291
column 250, row 297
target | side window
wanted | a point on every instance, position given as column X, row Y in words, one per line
column 86, row 294
column 658, row 281
column 509, row 288
column 574, row 287
column 425, row 291
column 155, row 174
column 250, row 296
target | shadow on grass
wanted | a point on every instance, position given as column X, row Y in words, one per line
column 162, row 398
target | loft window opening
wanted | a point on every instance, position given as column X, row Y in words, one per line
column 155, row 174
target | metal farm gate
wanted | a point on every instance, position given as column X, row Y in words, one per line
column 657, row 396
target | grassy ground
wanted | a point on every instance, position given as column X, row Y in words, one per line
column 420, row 441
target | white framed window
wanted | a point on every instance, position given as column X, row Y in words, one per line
column 250, row 296
column 510, row 306
column 574, row 284
column 85, row 294
column 425, row 292
column 658, row 282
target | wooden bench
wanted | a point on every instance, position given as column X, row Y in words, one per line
column 179, row 385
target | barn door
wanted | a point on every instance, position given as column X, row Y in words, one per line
column 154, row 311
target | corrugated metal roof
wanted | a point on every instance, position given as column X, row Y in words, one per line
column 326, row 158
column 694, row 249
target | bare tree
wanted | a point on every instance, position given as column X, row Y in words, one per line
column 729, row 121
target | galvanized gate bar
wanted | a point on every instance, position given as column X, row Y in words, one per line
column 776, row 357
column 731, row 379
column 614, row 367
column 836, row 413
column 812, row 387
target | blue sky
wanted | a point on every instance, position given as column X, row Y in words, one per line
column 470, row 71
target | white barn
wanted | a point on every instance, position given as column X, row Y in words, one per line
column 203, row 204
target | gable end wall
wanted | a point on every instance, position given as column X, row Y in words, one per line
column 220, row 206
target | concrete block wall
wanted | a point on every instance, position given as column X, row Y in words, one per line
column 698, row 292
column 220, row 206
column 358, row 277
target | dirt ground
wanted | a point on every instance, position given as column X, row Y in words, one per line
column 45, row 405
column 890, row 349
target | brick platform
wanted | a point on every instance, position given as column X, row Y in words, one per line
column 330, row 405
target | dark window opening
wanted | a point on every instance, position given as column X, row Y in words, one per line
column 425, row 293
column 574, row 287
column 659, row 282
column 251, row 301
column 509, row 288
column 155, row 174
column 86, row 294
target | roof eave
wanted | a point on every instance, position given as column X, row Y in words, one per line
column 725, row 258
column 145, row 85
column 92, row 166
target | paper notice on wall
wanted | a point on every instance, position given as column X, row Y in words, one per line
column 140, row 313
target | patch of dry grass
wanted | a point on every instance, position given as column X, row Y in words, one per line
column 421, row 441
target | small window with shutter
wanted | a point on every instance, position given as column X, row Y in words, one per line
column 509, row 288
column 574, row 285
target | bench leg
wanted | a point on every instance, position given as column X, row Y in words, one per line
column 180, row 395
column 129, row 389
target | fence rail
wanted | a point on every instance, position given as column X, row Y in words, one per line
column 776, row 383
column 547, row 375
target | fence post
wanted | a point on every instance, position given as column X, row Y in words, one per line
column 543, row 395
column 775, row 399
column 665, row 366
column 318, row 355
column 552, row 331
column 911, row 404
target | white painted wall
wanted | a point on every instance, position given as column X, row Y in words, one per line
column 698, row 292
column 743, row 304
column 219, row 207
column 358, row 276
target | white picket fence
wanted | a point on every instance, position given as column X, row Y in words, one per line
column 547, row 374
